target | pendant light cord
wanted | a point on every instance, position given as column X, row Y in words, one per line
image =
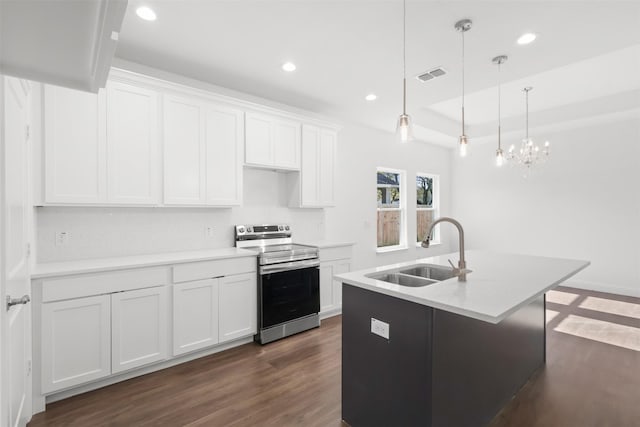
column 462, row 31
column 404, row 57
column 499, row 97
column 526, row 91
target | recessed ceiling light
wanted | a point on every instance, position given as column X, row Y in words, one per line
column 146, row 13
column 526, row 38
column 289, row 66
column 371, row 97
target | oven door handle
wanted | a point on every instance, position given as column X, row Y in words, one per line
column 295, row 265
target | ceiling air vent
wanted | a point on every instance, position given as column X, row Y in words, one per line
column 431, row 74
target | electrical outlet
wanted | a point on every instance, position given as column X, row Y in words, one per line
column 380, row 328
column 62, row 238
column 209, row 231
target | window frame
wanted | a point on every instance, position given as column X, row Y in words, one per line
column 435, row 207
column 402, row 208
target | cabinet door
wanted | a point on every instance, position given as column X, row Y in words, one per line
column 76, row 342
column 184, row 152
column 224, row 148
column 139, row 328
column 326, row 287
column 326, row 156
column 258, row 140
column 238, row 306
column 340, row 267
column 195, row 315
column 132, row 144
column 286, row 144
column 74, row 146
column 309, row 167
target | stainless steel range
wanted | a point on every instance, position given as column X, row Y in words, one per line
column 288, row 281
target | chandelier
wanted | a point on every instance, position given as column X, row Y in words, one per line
column 530, row 153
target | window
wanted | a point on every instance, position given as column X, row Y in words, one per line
column 391, row 209
column 427, row 205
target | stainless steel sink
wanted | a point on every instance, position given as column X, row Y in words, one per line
column 402, row 279
column 429, row 272
column 416, row 275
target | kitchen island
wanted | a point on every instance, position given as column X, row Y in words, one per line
column 450, row 353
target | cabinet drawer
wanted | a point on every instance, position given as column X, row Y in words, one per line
column 330, row 254
column 102, row 283
column 217, row 268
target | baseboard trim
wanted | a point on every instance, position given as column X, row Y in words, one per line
column 603, row 287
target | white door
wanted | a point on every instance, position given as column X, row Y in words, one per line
column 138, row 328
column 326, row 286
column 132, row 145
column 195, row 315
column 238, row 306
column 258, row 140
column 74, row 146
column 15, row 325
column 286, row 144
column 76, row 342
column 223, row 139
column 310, row 187
column 184, row 152
column 327, row 157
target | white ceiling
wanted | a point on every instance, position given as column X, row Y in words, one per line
column 584, row 64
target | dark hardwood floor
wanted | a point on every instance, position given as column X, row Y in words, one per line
column 592, row 378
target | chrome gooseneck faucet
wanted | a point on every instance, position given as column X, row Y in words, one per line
column 461, row 271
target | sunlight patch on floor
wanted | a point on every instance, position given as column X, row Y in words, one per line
column 604, row 305
column 560, row 297
column 550, row 314
column 598, row 330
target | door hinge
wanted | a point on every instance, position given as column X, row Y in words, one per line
column 27, row 132
column 29, row 367
column 28, row 251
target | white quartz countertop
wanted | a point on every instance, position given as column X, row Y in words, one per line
column 498, row 285
column 51, row 269
column 324, row 244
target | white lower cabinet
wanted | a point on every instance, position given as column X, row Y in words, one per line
column 238, row 306
column 138, row 328
column 76, row 342
column 212, row 311
column 333, row 260
column 195, row 315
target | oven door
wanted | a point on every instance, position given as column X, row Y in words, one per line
column 288, row 294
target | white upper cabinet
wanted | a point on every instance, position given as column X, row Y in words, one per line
column 202, row 153
column 74, row 146
column 314, row 188
column 184, row 152
column 132, row 145
column 223, row 135
column 272, row 142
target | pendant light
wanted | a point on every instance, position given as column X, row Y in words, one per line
column 499, row 60
column 530, row 153
column 404, row 130
column 463, row 26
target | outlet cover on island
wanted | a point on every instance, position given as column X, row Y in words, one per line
column 380, row 328
column 62, row 238
column 209, row 231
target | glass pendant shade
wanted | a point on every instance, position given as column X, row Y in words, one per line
column 462, row 145
column 404, row 130
column 499, row 157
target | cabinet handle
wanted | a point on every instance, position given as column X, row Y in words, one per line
column 15, row 301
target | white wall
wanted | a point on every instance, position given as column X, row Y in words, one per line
column 584, row 203
column 360, row 151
